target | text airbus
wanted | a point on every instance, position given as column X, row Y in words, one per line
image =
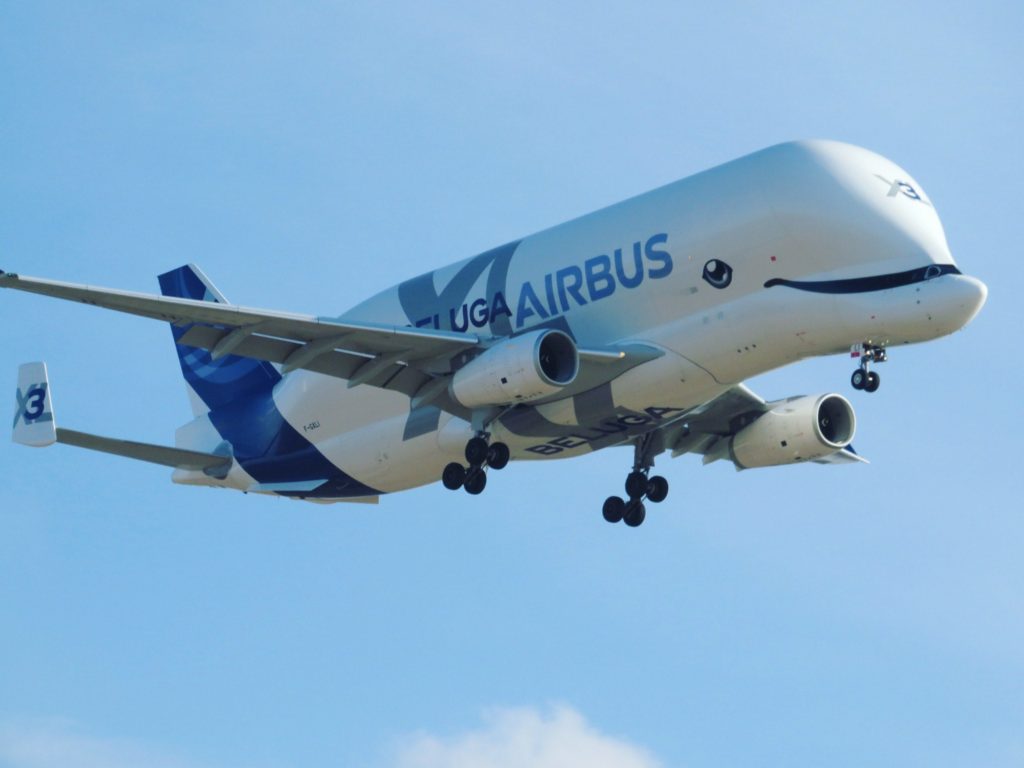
column 598, row 278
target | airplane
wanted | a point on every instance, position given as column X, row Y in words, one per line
column 633, row 326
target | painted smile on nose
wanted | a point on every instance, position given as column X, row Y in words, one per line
column 868, row 284
column 956, row 298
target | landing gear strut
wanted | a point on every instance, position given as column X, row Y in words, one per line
column 479, row 453
column 639, row 486
column 863, row 378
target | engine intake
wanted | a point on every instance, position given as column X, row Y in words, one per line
column 518, row 370
column 795, row 430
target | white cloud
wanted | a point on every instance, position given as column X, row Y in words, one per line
column 525, row 738
column 508, row 738
column 60, row 744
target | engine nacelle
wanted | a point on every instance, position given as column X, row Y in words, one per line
column 799, row 429
column 518, row 370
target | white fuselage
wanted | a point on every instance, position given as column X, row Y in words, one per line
column 808, row 212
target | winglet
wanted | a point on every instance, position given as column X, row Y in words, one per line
column 34, row 424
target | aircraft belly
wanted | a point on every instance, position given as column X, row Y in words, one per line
column 379, row 456
column 364, row 432
column 644, row 398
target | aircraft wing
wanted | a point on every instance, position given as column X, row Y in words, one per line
column 413, row 361
column 706, row 429
column 706, row 425
column 239, row 323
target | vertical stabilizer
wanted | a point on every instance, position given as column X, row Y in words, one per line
column 33, row 416
column 212, row 383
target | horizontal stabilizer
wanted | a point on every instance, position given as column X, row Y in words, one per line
column 179, row 458
column 35, row 425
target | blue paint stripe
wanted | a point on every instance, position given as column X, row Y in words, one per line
column 217, row 382
column 272, row 451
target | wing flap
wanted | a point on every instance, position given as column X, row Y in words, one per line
column 845, row 456
column 333, row 362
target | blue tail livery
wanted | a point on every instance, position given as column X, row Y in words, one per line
column 216, row 382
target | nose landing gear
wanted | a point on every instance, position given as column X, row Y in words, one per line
column 479, row 453
column 639, row 486
column 862, row 377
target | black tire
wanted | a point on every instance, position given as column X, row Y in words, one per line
column 476, row 451
column 614, row 508
column 476, row 481
column 859, row 378
column 636, row 485
column 498, row 456
column 635, row 515
column 454, row 476
column 873, row 381
column 657, row 489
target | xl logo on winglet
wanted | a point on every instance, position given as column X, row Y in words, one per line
column 897, row 187
column 31, row 405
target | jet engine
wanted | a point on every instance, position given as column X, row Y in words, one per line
column 518, row 370
column 794, row 430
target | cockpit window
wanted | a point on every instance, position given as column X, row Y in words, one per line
column 933, row 271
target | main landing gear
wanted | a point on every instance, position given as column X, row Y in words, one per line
column 639, row 486
column 479, row 453
column 863, row 378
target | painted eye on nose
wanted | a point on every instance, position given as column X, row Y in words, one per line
column 717, row 273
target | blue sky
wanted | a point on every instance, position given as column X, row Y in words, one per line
column 308, row 155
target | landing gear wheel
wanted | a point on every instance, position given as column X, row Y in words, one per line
column 873, row 381
column 859, row 379
column 614, row 508
column 635, row 514
column 476, row 451
column 657, row 489
column 498, row 456
column 476, row 481
column 454, row 476
column 636, row 485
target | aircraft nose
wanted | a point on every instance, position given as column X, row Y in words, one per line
column 964, row 298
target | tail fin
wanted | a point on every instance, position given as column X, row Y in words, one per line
column 212, row 383
column 33, row 418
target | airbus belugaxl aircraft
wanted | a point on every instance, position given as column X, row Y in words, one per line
column 632, row 326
